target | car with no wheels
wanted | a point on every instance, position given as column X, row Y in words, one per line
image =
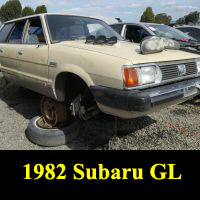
column 136, row 32
column 82, row 66
column 193, row 31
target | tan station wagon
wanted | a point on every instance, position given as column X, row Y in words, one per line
column 82, row 66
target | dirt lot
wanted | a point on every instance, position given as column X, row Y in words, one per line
column 177, row 127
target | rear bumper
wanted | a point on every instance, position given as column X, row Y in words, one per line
column 134, row 103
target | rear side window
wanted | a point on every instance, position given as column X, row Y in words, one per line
column 17, row 34
column 5, row 32
column 118, row 28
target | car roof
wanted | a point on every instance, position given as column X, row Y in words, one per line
column 45, row 14
column 21, row 18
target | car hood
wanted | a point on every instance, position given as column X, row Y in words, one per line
column 131, row 52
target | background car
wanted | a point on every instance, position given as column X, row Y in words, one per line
column 136, row 32
column 193, row 31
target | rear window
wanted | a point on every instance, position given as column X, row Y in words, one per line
column 5, row 32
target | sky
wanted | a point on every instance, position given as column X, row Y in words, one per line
column 127, row 10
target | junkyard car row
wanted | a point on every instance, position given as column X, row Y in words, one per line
column 136, row 32
column 82, row 67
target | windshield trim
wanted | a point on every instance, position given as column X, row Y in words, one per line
column 58, row 41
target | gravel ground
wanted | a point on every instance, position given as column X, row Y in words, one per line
column 172, row 128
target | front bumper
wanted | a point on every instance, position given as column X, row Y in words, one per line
column 134, row 103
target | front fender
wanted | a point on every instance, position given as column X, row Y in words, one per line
column 64, row 69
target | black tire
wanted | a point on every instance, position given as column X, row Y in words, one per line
column 3, row 81
column 51, row 137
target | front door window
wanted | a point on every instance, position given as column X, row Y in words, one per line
column 35, row 33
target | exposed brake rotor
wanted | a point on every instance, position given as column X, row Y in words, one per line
column 53, row 112
column 84, row 108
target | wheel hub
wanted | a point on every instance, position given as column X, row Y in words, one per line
column 54, row 112
column 83, row 109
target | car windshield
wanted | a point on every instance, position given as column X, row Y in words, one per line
column 169, row 32
column 66, row 28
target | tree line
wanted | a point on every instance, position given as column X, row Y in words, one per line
column 192, row 17
column 12, row 9
column 163, row 18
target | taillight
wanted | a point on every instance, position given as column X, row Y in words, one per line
column 185, row 40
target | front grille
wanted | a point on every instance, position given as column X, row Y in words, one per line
column 171, row 71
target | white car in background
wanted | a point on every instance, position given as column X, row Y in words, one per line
column 136, row 32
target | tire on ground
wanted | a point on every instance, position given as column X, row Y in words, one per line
column 51, row 137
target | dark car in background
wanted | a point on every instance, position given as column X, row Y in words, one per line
column 136, row 32
column 193, row 31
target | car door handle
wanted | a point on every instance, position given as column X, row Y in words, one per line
column 20, row 52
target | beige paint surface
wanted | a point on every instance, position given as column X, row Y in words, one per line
column 95, row 64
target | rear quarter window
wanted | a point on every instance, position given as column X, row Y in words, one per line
column 5, row 31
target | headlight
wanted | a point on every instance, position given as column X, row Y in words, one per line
column 141, row 75
column 198, row 66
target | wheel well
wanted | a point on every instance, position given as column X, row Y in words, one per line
column 68, row 86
